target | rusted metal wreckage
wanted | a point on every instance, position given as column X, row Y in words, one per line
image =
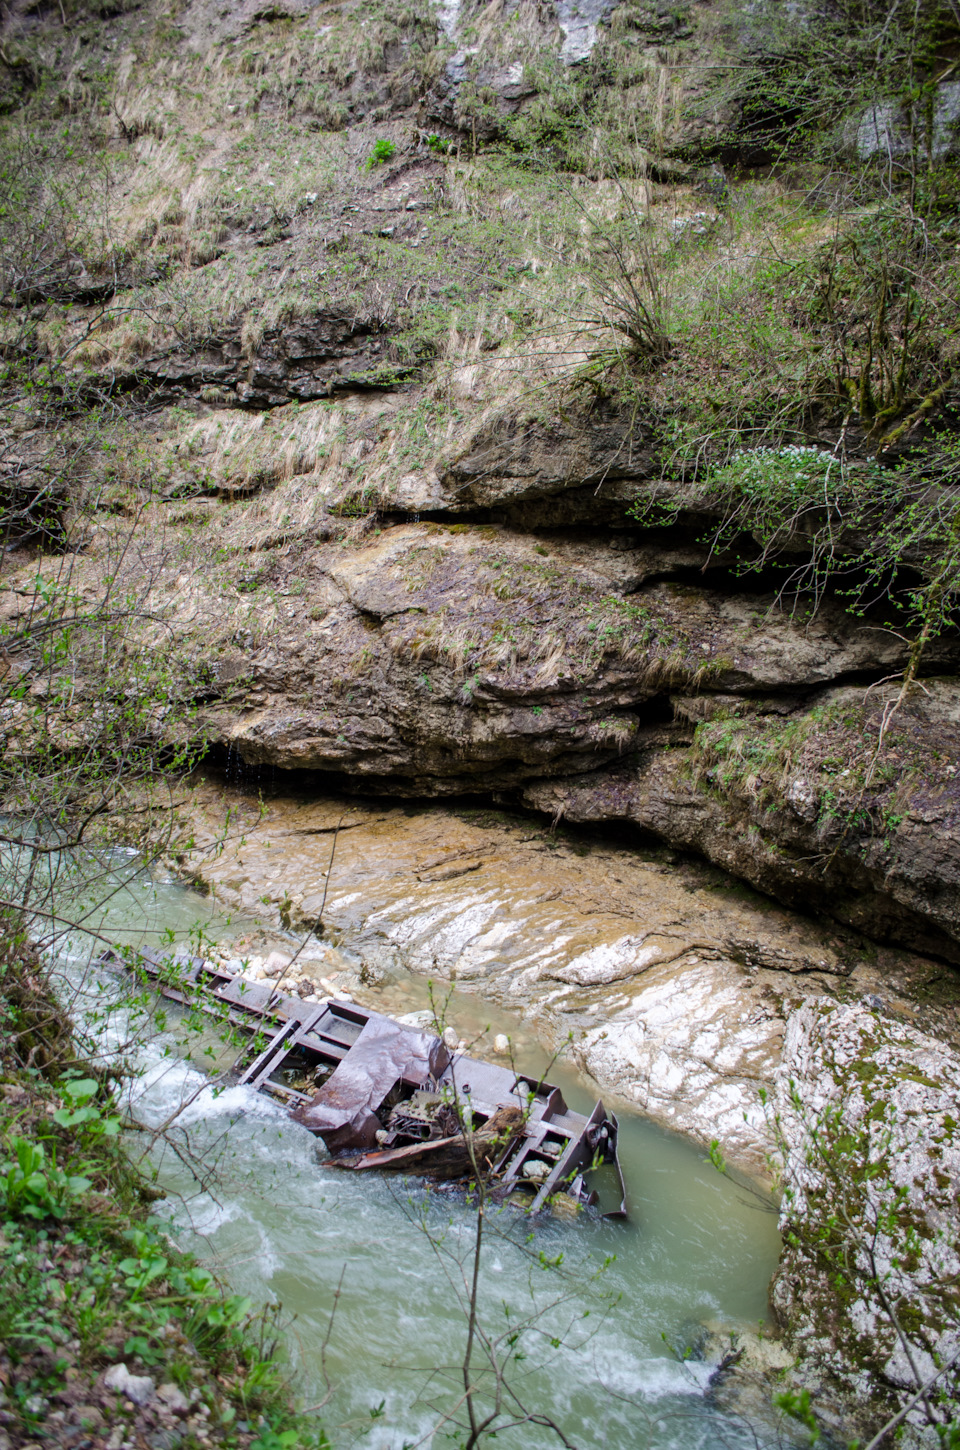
column 385, row 1095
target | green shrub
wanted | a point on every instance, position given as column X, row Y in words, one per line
column 383, row 150
column 873, row 534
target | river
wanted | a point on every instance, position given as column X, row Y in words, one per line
column 606, row 1320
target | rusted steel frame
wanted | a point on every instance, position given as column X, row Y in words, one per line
column 578, row 1154
column 372, row 1056
column 286, row 1040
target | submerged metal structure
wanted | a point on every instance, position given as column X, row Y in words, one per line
column 382, row 1094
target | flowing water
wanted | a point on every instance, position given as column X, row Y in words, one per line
column 606, row 1303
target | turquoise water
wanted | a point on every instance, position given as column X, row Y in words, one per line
column 602, row 1317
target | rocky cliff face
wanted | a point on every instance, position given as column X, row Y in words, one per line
column 389, row 521
column 382, row 452
column 866, row 1108
column 592, row 683
column 380, row 351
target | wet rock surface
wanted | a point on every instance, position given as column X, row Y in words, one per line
column 668, row 983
